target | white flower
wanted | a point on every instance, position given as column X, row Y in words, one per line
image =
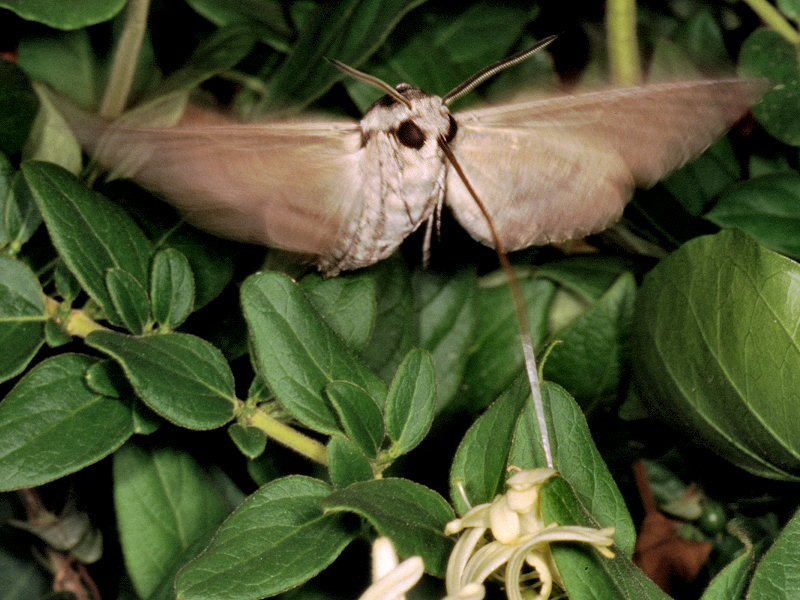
column 391, row 580
column 520, row 540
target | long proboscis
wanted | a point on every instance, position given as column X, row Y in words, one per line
column 518, row 299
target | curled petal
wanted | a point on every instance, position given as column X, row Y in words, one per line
column 384, row 557
column 396, row 582
column 459, row 557
column 471, row 591
column 504, row 521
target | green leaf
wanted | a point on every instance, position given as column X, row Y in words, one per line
column 171, row 288
column 717, row 350
column 445, row 308
column 66, row 285
column 91, row 234
column 276, row 539
column 767, row 208
column 593, row 355
column 575, row 457
column 49, row 406
column 251, row 441
column 347, row 303
column 776, row 575
column 267, row 18
column 297, row 353
column 18, row 105
column 20, row 216
column 394, row 329
column 348, row 31
column 165, row 504
column 130, row 300
column 183, row 378
column 409, row 514
column 64, row 61
column 767, row 54
column 482, row 457
column 347, row 463
column 20, row 577
column 68, row 14
column 359, row 414
column 411, row 401
column 22, row 316
column 731, row 582
column 219, row 52
column 586, row 573
column 495, row 355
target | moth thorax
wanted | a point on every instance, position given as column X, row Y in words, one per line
column 417, row 126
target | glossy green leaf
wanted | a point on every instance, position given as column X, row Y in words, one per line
column 732, row 581
column 575, row 457
column 767, row 208
column 347, row 303
column 592, row 356
column 66, row 285
column 165, row 504
column 791, row 8
column 776, row 576
column 182, row 377
column 409, row 514
column 495, row 355
column 18, row 105
column 64, row 61
column 585, row 572
column 394, row 330
column 20, row 216
column 276, row 539
column 348, row 31
column 767, row 54
column 445, row 308
column 359, row 414
column 297, row 353
column 482, row 457
column 251, row 441
column 91, row 233
column 22, row 316
column 171, row 288
column 51, row 139
column 266, row 18
column 68, row 14
column 347, row 463
column 716, row 350
column 411, row 401
column 130, row 300
column 51, row 404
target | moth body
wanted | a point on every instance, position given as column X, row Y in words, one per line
column 403, row 171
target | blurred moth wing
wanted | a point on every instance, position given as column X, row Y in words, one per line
column 346, row 194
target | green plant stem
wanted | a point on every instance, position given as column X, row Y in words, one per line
column 76, row 322
column 774, row 19
column 623, row 48
column 125, row 58
column 291, row 438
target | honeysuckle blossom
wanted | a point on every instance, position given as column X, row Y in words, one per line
column 520, row 539
column 390, row 580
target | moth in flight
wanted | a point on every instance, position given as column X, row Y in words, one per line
column 346, row 194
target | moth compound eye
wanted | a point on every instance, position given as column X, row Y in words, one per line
column 451, row 132
column 409, row 134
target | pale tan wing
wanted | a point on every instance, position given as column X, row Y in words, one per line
column 295, row 186
column 563, row 167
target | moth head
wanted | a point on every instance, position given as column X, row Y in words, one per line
column 416, row 123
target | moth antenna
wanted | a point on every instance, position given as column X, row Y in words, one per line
column 493, row 69
column 369, row 80
column 526, row 338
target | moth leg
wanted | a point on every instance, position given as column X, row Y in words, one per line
column 426, row 244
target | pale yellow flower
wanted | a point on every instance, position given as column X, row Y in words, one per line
column 390, row 580
column 519, row 540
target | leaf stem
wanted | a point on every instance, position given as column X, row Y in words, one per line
column 623, row 48
column 126, row 57
column 75, row 322
column 774, row 19
column 289, row 437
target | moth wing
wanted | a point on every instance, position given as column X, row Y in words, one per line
column 552, row 169
column 295, row 186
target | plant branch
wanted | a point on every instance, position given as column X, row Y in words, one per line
column 289, row 437
column 623, row 48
